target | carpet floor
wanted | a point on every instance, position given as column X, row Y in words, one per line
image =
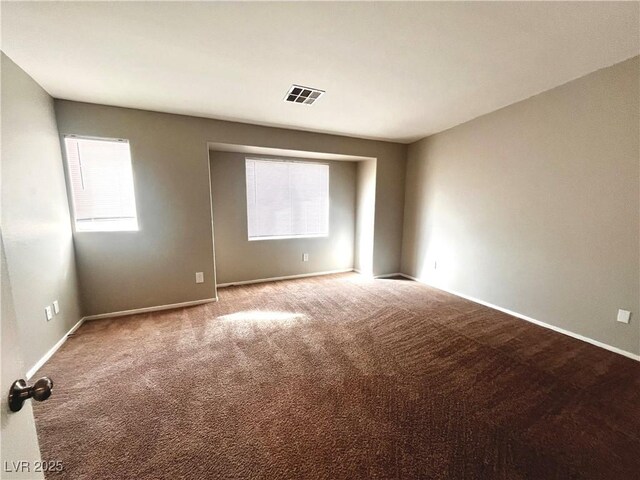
column 337, row 377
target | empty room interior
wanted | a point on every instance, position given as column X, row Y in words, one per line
column 320, row 240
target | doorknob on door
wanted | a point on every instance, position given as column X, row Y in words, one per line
column 20, row 391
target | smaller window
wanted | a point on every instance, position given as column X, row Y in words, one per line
column 287, row 199
column 101, row 181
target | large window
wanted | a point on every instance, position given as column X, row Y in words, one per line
column 287, row 199
column 101, row 182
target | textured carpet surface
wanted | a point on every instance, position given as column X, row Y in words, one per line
column 337, row 377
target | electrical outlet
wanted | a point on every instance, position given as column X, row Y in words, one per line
column 56, row 307
column 48, row 312
column 199, row 277
column 623, row 316
column 305, row 257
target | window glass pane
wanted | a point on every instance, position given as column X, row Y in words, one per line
column 287, row 199
column 101, row 181
column 273, row 196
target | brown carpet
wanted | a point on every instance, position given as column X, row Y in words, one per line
column 337, row 378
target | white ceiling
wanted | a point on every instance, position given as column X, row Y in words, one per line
column 392, row 71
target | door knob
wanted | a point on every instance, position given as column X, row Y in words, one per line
column 20, row 391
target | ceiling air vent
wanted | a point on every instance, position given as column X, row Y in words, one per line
column 304, row 95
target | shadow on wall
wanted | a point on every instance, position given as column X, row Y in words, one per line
column 365, row 216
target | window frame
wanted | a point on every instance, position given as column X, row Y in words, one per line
column 69, row 184
column 287, row 237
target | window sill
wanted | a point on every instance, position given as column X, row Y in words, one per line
column 110, row 225
column 287, row 237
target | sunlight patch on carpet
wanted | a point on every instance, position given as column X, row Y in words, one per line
column 262, row 316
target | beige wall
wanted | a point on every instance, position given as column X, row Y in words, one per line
column 389, row 205
column 238, row 259
column 156, row 266
column 35, row 216
column 365, row 216
column 535, row 207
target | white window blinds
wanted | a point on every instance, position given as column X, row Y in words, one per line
column 287, row 199
column 101, row 181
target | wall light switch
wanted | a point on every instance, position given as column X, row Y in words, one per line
column 56, row 307
column 624, row 316
column 305, row 257
column 199, row 277
column 48, row 312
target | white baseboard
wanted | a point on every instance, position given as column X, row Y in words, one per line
column 53, row 350
column 57, row 346
column 389, row 275
column 360, row 272
column 385, row 275
column 288, row 277
column 150, row 309
column 532, row 320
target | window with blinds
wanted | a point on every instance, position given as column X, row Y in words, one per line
column 101, row 181
column 287, row 199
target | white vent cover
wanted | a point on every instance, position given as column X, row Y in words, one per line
column 304, row 95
